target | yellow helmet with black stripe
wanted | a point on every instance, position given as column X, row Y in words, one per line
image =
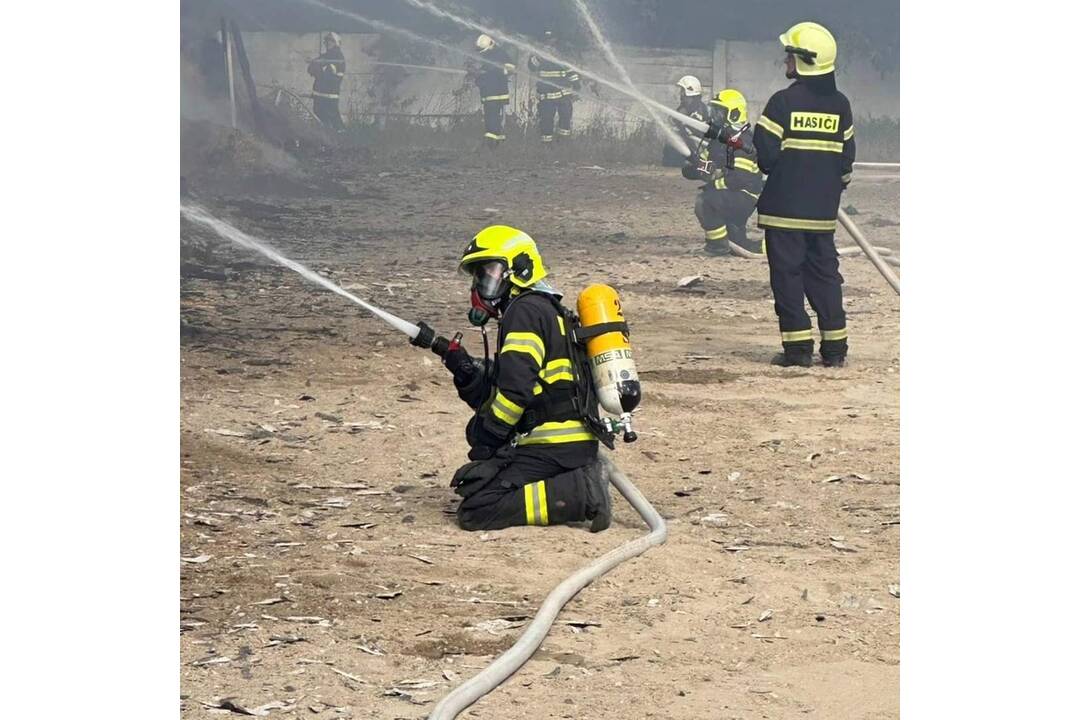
column 813, row 46
column 732, row 106
column 512, row 247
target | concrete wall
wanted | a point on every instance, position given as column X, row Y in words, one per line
column 756, row 69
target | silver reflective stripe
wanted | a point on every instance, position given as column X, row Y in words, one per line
column 540, row 434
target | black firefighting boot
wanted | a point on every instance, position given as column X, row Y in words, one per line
column 717, row 248
column 798, row 354
column 597, row 497
column 834, row 352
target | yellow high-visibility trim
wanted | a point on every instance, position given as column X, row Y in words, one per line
column 753, row 195
column 509, row 68
column 797, row 336
column 720, row 183
column 552, row 73
column 772, row 126
column 557, row 370
column 552, row 95
column 552, row 433
column 747, row 164
column 846, row 178
column 541, row 498
column 849, row 133
column 547, row 138
column 491, row 98
column 524, row 342
column 506, row 409
column 325, row 95
column 784, row 223
column 834, row 334
column 536, row 510
column 562, row 325
column 818, row 145
column 493, row 136
column 562, row 131
column 717, row 233
column 530, row 508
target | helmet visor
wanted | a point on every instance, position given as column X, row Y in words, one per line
column 490, row 278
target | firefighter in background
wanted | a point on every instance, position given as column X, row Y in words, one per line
column 556, row 89
column 534, row 458
column 328, row 70
column 691, row 105
column 492, row 77
column 731, row 175
column 805, row 141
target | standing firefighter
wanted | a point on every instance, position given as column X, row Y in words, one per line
column 534, row 457
column 805, row 141
column 493, row 79
column 725, row 160
column 556, row 89
column 328, row 70
column 691, row 105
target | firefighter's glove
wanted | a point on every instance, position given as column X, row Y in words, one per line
column 714, row 130
column 690, row 170
column 483, row 442
column 458, row 361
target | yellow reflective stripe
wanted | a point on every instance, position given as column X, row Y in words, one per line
column 834, row 334
column 489, row 98
column 552, row 95
column 524, row 342
column 552, row 73
column 536, row 510
column 547, row 138
column 846, row 178
column 849, row 133
column 819, row 145
column 720, row 183
column 552, row 433
column 325, row 95
column 797, row 336
column 562, row 325
column 753, row 195
column 493, row 136
column 772, row 126
column 530, row 510
column 747, row 164
column 541, row 491
column 509, row 68
column 796, row 223
column 506, row 409
column 557, row 370
column 562, row 131
column 717, row 233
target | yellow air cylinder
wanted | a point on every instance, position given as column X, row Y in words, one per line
column 610, row 356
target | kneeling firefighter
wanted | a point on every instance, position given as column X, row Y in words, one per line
column 726, row 161
column 534, row 435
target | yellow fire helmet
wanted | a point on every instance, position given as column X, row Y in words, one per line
column 813, row 46
column 732, row 104
column 509, row 245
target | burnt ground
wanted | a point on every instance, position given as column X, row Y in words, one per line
column 322, row 573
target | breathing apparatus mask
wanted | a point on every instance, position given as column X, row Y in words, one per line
column 490, row 285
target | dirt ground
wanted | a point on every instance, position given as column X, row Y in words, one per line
column 322, row 573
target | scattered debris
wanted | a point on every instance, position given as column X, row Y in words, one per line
column 387, row 595
column 422, row 559
column 894, row 590
column 196, row 560
column 765, row 616
column 690, row 281
column 227, row 433
column 346, row 675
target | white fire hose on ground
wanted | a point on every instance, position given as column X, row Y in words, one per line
column 507, row 664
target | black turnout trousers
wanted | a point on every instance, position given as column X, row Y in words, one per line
column 805, row 265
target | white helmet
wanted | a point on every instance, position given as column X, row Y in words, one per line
column 690, row 85
column 332, row 38
column 484, row 43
